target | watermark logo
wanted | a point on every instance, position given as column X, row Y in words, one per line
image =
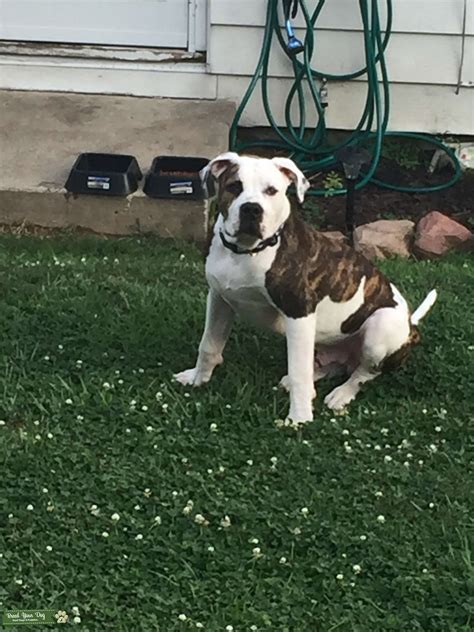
column 33, row 617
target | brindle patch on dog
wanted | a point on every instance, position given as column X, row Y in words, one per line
column 309, row 266
column 399, row 357
column 225, row 196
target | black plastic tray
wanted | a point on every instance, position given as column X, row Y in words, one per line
column 104, row 174
column 175, row 177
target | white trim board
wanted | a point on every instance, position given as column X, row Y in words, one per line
column 57, row 74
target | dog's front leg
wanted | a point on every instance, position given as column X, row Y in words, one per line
column 300, row 337
column 219, row 319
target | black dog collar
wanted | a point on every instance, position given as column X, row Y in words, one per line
column 266, row 243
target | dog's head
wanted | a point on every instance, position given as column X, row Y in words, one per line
column 251, row 193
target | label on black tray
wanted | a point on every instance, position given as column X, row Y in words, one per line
column 180, row 188
column 98, row 182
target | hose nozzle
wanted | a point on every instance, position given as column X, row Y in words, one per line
column 294, row 45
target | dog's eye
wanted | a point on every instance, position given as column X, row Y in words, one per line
column 270, row 191
column 235, row 188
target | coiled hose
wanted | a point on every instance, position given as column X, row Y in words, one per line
column 309, row 146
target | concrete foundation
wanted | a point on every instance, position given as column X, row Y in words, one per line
column 41, row 135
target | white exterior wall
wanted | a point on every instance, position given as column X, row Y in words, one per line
column 423, row 60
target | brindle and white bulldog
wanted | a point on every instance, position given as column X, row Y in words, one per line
column 266, row 265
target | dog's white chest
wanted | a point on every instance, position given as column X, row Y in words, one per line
column 240, row 280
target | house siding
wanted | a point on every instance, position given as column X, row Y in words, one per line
column 423, row 61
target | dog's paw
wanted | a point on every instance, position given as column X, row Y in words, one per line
column 285, row 383
column 339, row 398
column 190, row 377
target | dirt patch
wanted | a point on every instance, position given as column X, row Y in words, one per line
column 374, row 202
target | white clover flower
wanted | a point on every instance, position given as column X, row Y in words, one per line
column 348, row 448
column 282, row 560
column 80, row 418
column 139, row 536
column 378, row 494
column 406, row 463
column 120, row 382
column 377, row 447
column 257, row 551
column 226, row 522
column 147, row 492
column 50, row 435
column 229, row 628
column 137, row 507
column 249, row 462
column 384, row 431
column 29, row 507
column 2, row 423
column 94, row 510
column 297, row 531
column 305, row 511
column 49, row 548
column 253, row 628
column 174, row 494
column 50, row 506
column 433, row 448
column 46, row 358
column 141, row 370
column 209, row 471
column 213, row 427
column 274, row 460
column 106, row 386
column 199, row 625
column 38, row 437
column 149, row 428
column 363, row 538
column 75, row 610
column 431, row 505
column 387, row 458
column 438, row 428
column 115, row 517
column 340, row 577
column 345, row 432
column 68, row 401
column 77, row 619
column 182, row 617
column 105, row 534
column 254, row 541
column 211, row 549
column 60, row 347
column 356, row 568
column 420, row 462
column 381, row 518
column 157, row 519
column 187, row 510
column 144, row 408
column 200, row 519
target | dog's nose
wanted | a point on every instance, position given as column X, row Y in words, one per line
column 251, row 210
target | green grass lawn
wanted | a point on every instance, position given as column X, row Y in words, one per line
column 355, row 523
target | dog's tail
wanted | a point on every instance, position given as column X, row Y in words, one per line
column 421, row 311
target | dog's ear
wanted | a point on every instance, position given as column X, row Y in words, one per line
column 214, row 169
column 291, row 171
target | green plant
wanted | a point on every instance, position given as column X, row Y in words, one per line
column 406, row 154
column 332, row 182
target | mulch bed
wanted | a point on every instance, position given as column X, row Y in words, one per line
column 373, row 202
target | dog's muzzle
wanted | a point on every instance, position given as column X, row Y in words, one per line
column 251, row 215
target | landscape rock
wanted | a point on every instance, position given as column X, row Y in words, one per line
column 437, row 234
column 385, row 238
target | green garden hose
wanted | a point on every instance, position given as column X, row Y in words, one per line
column 309, row 146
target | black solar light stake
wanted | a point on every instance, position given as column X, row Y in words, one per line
column 352, row 159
